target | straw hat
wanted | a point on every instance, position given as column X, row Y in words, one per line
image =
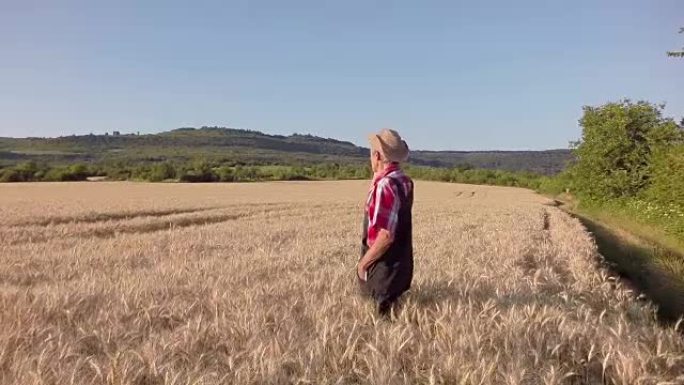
column 390, row 145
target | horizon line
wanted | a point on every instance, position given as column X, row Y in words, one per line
column 139, row 133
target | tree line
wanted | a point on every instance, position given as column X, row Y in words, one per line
column 204, row 171
column 630, row 160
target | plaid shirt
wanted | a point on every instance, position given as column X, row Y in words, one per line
column 384, row 201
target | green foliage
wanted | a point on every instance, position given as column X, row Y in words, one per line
column 630, row 162
column 225, row 174
column 614, row 154
column 669, row 217
column 667, row 180
column 558, row 184
column 162, row 171
column 475, row 176
column 23, row 172
column 201, row 171
column 76, row 172
column 117, row 171
column 33, row 172
column 225, row 146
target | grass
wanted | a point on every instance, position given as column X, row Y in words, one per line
column 659, row 245
column 647, row 255
column 132, row 283
column 667, row 251
column 653, row 270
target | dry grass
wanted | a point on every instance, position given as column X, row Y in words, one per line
column 122, row 283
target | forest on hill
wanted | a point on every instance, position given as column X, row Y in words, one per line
column 237, row 147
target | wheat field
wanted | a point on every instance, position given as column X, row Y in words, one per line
column 127, row 283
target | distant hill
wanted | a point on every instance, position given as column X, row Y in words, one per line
column 239, row 146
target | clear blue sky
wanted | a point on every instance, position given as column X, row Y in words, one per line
column 446, row 74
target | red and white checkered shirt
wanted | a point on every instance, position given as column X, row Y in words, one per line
column 384, row 201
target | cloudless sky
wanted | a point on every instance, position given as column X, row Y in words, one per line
column 447, row 74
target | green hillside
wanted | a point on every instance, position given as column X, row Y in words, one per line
column 246, row 147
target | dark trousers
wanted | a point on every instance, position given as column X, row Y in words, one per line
column 384, row 304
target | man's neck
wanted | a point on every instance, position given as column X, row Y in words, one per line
column 386, row 169
column 390, row 166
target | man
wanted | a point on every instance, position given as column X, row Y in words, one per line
column 385, row 269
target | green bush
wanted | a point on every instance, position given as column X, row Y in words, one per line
column 557, row 184
column 23, row 172
column 226, row 174
column 54, row 175
column 76, row 172
column 161, row 171
column 196, row 176
column 246, row 174
column 123, row 173
column 475, row 176
column 614, row 154
column 667, row 181
column 630, row 162
column 10, row 175
column 201, row 171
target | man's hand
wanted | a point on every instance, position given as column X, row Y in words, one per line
column 382, row 243
column 361, row 272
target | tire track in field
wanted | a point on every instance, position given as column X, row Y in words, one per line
column 109, row 230
column 97, row 217
column 158, row 226
column 142, row 224
column 542, row 258
column 105, row 217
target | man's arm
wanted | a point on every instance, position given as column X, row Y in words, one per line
column 380, row 246
column 384, row 219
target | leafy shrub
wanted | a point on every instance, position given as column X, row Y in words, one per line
column 76, row 172
column 10, row 175
column 614, row 154
column 555, row 185
column 195, row 176
column 226, row 174
column 201, row 171
column 23, row 172
column 161, row 171
column 667, row 182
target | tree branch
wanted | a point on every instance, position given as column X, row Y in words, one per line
column 677, row 53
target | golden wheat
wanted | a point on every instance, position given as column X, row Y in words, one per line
column 125, row 283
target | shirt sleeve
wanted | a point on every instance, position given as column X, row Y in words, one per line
column 386, row 210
